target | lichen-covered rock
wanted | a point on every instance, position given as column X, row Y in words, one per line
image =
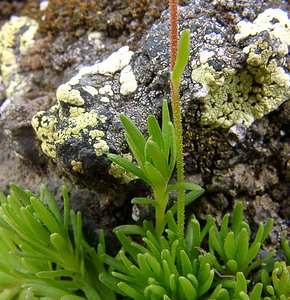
column 234, row 97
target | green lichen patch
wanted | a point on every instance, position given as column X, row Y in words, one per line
column 240, row 96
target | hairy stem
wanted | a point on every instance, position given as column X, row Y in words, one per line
column 177, row 120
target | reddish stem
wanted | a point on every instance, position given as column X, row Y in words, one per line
column 173, row 32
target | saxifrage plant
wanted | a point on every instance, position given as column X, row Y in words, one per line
column 42, row 254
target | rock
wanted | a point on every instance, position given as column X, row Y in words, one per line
column 234, row 98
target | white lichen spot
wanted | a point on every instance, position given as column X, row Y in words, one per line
column 95, row 35
column 128, row 81
column 91, row 90
column 116, row 61
column 106, row 90
column 101, row 148
column 205, row 55
column 273, row 20
column 105, row 100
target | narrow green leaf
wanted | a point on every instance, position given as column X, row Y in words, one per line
column 130, row 291
column 127, row 244
column 153, row 289
column 156, row 179
column 224, row 227
column 155, row 132
column 111, row 282
column 158, row 158
column 187, row 288
column 166, row 128
column 19, row 194
column 130, row 229
column 153, row 248
column 128, row 166
column 54, row 274
column 215, row 243
column 230, row 246
column 135, row 136
column 241, row 284
column 237, row 217
column 242, row 249
column 144, row 266
column 128, row 278
column 114, row 263
column 185, row 263
column 207, row 284
column 155, row 265
column 267, row 229
column 181, row 58
column 61, row 245
column 38, row 231
column 257, row 291
column 46, row 216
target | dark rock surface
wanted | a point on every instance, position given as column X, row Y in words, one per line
column 234, row 97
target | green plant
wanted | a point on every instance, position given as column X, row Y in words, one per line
column 160, row 268
column 156, row 161
column 231, row 247
column 277, row 285
column 286, row 249
column 38, row 257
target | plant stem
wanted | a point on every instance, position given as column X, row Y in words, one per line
column 173, row 32
column 177, row 120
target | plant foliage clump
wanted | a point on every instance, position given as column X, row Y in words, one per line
column 42, row 254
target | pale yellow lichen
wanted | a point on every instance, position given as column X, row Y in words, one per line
column 16, row 37
column 101, row 147
column 242, row 96
column 44, row 126
column 66, row 93
column 120, row 173
column 77, row 166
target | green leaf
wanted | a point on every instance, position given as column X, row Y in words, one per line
column 167, row 128
column 237, row 217
column 128, row 166
column 207, row 284
column 157, row 157
column 256, row 292
column 19, row 194
column 229, row 245
column 242, row 249
column 185, row 263
column 181, row 58
column 144, row 201
column 156, row 179
column 129, row 291
column 187, row 288
column 135, row 139
column 46, row 216
column 46, row 197
column 215, row 243
column 241, row 284
column 155, row 132
column 130, row 229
